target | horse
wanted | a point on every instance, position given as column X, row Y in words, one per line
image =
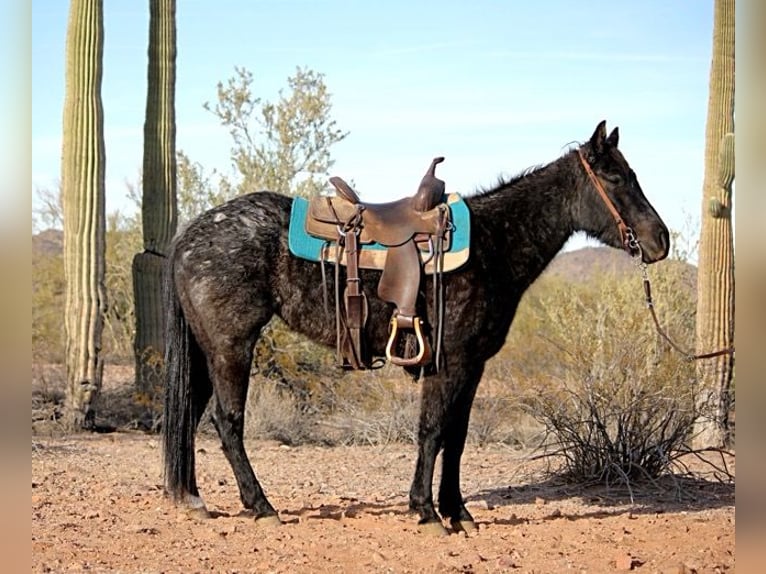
column 230, row 271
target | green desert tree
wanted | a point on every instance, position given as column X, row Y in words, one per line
column 715, row 300
column 82, row 187
column 158, row 206
column 282, row 146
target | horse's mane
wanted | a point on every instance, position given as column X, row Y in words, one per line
column 504, row 182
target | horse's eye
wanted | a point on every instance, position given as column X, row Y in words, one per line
column 614, row 178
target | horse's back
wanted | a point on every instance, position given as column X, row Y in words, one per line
column 223, row 262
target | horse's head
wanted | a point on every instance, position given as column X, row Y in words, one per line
column 620, row 199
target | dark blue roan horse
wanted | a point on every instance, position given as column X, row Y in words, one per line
column 230, row 271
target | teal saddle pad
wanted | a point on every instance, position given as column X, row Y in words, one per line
column 309, row 247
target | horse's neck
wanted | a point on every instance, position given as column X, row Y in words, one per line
column 530, row 218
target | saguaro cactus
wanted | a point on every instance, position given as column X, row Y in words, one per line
column 82, row 187
column 159, row 209
column 715, row 283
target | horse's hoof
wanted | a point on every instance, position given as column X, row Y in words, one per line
column 432, row 529
column 269, row 521
column 467, row 526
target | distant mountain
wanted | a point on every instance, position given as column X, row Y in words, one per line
column 583, row 265
column 48, row 242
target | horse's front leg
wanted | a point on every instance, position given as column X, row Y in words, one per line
column 429, row 442
column 458, row 413
column 444, row 410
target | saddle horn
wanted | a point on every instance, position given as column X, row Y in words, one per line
column 431, row 189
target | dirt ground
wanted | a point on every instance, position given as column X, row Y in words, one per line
column 97, row 506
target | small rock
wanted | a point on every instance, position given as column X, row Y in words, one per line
column 539, row 501
column 507, row 563
column 623, row 561
column 680, row 568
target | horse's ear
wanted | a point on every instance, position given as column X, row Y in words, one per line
column 613, row 138
column 598, row 137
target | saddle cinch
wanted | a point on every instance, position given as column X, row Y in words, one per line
column 408, row 228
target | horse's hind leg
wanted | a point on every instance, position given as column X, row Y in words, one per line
column 187, row 391
column 202, row 390
column 230, row 372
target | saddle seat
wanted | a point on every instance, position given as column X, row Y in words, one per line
column 405, row 226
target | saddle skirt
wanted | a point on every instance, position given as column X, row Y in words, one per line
column 372, row 254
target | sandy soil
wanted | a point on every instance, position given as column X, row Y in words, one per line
column 97, row 506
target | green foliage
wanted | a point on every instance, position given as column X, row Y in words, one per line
column 290, row 358
column 196, row 192
column 123, row 241
column 282, row 146
column 47, row 307
column 49, row 211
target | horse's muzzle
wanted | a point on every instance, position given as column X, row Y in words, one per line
column 655, row 245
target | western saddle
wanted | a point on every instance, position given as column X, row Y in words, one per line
column 414, row 230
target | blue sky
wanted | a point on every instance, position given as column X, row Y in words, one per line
column 495, row 86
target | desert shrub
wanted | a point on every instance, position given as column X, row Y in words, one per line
column 616, row 402
column 337, row 407
column 373, row 407
column 287, row 356
column 123, row 240
column 275, row 412
column 498, row 414
column 300, row 396
column 48, row 289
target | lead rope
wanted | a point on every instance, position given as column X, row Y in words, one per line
column 633, row 242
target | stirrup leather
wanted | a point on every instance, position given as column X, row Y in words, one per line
column 415, row 323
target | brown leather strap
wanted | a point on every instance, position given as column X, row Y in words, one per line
column 355, row 304
column 625, row 231
column 438, row 296
column 688, row 356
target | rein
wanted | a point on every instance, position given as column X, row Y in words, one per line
column 633, row 247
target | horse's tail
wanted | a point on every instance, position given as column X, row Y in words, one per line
column 179, row 424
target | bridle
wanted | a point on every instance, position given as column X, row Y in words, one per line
column 628, row 236
column 633, row 247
